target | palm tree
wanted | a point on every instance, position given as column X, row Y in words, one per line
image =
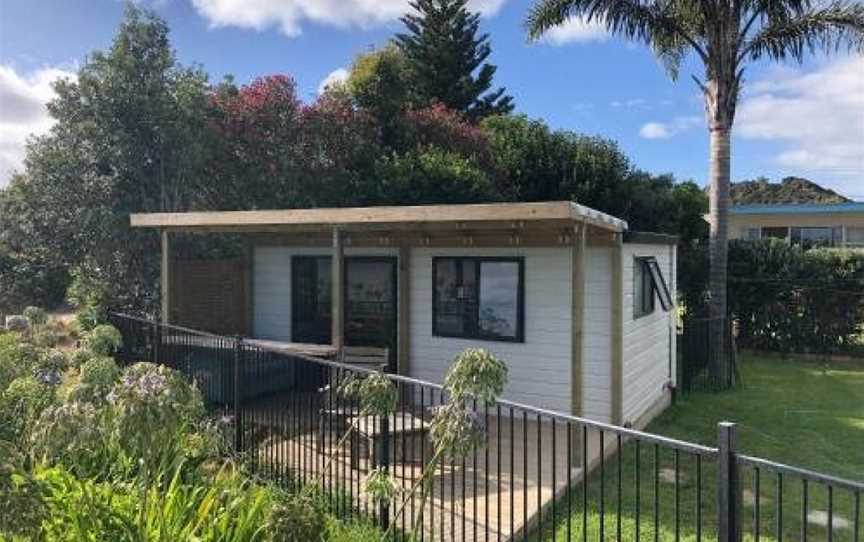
column 725, row 35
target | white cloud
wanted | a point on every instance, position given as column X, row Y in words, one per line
column 23, row 112
column 628, row 104
column 289, row 15
column 576, row 30
column 339, row 75
column 665, row 130
column 818, row 114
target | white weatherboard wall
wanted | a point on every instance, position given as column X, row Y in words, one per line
column 539, row 368
column 597, row 343
column 649, row 341
column 272, row 285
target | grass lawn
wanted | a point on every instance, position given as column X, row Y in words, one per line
column 787, row 411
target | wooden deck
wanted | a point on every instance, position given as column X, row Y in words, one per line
column 493, row 494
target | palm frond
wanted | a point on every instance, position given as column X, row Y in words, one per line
column 825, row 28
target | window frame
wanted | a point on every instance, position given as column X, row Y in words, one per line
column 477, row 334
column 641, row 264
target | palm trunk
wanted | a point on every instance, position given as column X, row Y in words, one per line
column 718, row 202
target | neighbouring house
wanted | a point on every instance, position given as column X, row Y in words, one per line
column 832, row 224
column 580, row 308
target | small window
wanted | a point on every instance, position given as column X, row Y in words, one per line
column 478, row 298
column 648, row 279
column 643, row 291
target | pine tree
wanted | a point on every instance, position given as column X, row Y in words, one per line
column 444, row 51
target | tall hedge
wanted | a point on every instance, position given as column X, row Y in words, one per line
column 784, row 298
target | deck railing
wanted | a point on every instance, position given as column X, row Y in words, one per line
column 526, row 483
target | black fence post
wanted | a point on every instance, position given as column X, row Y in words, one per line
column 382, row 455
column 238, row 418
column 728, row 485
column 157, row 342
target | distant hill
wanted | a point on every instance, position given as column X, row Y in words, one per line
column 789, row 190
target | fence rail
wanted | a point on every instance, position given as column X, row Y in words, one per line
column 541, row 475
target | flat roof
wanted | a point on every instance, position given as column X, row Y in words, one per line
column 444, row 216
column 798, row 208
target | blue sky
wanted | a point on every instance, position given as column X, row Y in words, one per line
column 793, row 120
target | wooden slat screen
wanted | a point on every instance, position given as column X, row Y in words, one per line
column 210, row 295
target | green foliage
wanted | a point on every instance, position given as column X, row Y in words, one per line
column 91, row 292
column 379, row 486
column 379, row 82
column 36, row 316
column 17, row 358
column 22, row 508
column 21, row 404
column 377, row 393
column 94, row 381
column 476, row 374
column 443, row 50
column 432, row 176
column 103, row 340
column 297, row 517
column 789, row 299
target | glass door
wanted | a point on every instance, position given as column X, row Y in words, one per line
column 370, row 303
column 311, row 317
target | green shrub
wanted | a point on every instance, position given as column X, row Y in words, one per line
column 22, row 507
column 785, row 298
column 94, row 380
column 21, row 404
column 103, row 340
column 17, row 358
column 227, row 507
column 298, row 518
column 36, row 316
column 50, row 366
column 90, row 291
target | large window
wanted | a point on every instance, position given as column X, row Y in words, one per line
column 855, row 236
column 816, row 236
column 311, row 314
column 648, row 280
column 479, row 298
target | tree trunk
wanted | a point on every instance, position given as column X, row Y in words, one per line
column 718, row 210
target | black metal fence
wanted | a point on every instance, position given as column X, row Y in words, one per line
column 699, row 369
column 528, row 482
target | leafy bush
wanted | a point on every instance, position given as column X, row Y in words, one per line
column 17, row 358
column 36, row 316
column 94, row 380
column 22, row 506
column 50, row 366
column 103, row 340
column 788, row 299
column 21, row 404
column 298, row 518
column 226, row 507
column 91, row 292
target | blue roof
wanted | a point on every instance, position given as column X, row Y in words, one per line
column 798, row 208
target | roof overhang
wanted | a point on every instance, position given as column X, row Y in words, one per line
column 426, row 217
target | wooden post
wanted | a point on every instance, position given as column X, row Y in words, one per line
column 578, row 259
column 337, row 293
column 248, row 286
column 617, row 346
column 404, row 308
column 166, row 273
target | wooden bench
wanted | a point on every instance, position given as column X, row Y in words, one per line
column 335, row 410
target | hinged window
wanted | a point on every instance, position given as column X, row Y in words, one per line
column 648, row 280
